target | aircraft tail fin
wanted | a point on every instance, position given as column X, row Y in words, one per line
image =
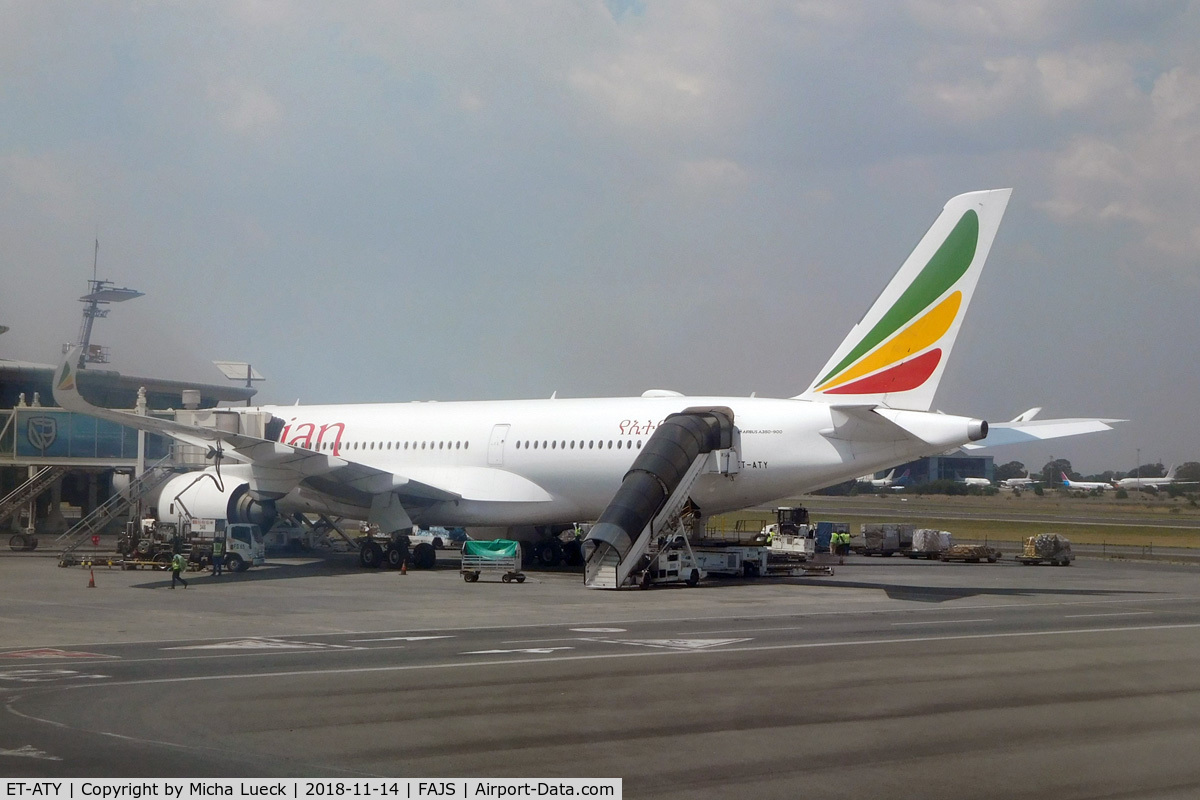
column 896, row 354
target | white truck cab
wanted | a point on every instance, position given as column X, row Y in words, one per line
column 244, row 547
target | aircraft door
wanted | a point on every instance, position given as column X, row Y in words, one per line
column 496, row 445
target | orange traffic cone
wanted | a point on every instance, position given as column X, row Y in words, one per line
column 404, row 567
column 91, row 578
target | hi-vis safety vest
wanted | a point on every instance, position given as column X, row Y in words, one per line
column 218, row 547
column 177, row 562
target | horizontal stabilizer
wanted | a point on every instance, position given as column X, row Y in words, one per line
column 860, row 423
column 1002, row 433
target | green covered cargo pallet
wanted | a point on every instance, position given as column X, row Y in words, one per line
column 499, row 556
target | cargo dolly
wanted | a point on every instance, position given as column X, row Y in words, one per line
column 497, row 557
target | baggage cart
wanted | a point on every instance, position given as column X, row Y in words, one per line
column 971, row 553
column 1047, row 548
column 501, row 557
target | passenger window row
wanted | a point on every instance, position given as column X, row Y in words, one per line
column 460, row 445
column 574, row 445
column 545, row 444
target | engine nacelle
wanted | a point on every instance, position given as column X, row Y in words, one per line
column 197, row 494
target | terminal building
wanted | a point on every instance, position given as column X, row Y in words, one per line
column 955, row 466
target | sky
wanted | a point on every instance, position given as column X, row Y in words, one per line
column 448, row 200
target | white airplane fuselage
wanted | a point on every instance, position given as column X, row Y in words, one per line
column 1145, row 483
column 561, row 460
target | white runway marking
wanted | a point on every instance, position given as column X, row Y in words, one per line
column 45, row 675
column 51, row 652
column 262, row 644
column 676, row 644
column 1110, row 614
column 402, row 639
column 943, row 621
column 598, row 630
column 652, row 653
column 540, row 650
column 29, row 751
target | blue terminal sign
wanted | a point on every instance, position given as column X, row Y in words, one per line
column 42, row 433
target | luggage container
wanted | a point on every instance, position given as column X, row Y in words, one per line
column 929, row 543
column 886, row 538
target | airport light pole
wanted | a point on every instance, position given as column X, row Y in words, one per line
column 100, row 293
column 240, row 371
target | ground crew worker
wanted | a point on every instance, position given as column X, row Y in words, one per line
column 177, row 565
column 218, row 557
column 842, row 545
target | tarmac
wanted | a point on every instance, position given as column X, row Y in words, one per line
column 889, row 678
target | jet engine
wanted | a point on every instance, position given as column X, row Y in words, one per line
column 201, row 495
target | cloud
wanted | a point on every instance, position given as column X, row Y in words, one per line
column 1148, row 176
column 245, row 109
column 1096, row 83
column 42, row 181
column 712, row 175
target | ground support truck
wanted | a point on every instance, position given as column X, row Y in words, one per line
column 151, row 543
column 1047, row 548
column 244, row 545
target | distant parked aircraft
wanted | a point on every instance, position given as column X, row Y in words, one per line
column 1019, row 483
column 1085, row 486
column 888, row 481
column 980, row 482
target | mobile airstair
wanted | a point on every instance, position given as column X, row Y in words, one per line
column 646, row 512
column 21, row 496
column 146, row 483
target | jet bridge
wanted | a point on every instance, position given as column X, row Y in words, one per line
column 655, row 489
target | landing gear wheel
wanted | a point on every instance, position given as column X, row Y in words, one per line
column 573, row 553
column 370, row 555
column 520, row 579
column 394, row 557
column 693, row 577
column 549, row 552
column 21, row 541
column 424, row 556
column 506, row 578
column 235, row 563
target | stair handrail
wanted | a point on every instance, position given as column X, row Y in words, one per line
column 32, row 487
column 154, row 475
